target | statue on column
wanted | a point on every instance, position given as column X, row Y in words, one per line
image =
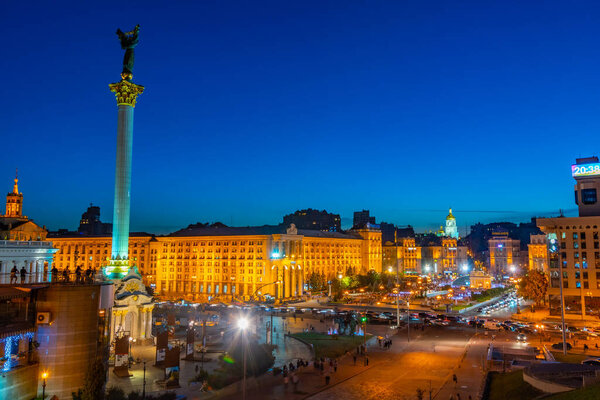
column 128, row 42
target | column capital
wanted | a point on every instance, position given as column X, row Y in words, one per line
column 126, row 92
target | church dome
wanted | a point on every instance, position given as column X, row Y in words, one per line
column 450, row 216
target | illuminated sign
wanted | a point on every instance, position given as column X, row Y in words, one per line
column 585, row 169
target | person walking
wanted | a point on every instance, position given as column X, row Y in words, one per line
column 327, row 377
column 354, row 357
column 78, row 274
column 23, row 274
column 455, row 379
column 54, row 272
column 295, row 381
column 13, row 274
column 335, row 365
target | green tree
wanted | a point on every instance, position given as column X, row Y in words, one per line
column 534, row 286
column 316, row 281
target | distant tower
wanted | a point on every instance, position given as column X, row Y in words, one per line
column 451, row 228
column 14, row 201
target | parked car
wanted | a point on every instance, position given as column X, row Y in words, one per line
column 592, row 361
column 559, row 346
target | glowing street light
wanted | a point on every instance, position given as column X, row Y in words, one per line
column 465, row 267
column 44, row 377
column 390, row 269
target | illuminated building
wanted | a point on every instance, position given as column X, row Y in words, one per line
column 73, row 330
column 69, row 323
column 403, row 256
column 441, row 255
column 480, row 280
column 218, row 261
column 537, row 251
column 314, row 220
column 22, row 242
column 574, row 247
column 451, row 230
column 504, row 253
column 94, row 252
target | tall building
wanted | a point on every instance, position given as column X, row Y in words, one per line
column 441, row 255
column 57, row 327
column 22, row 242
column 90, row 223
column 314, row 220
column 574, row 247
column 451, row 230
column 403, row 256
column 362, row 218
column 505, row 254
column 586, row 172
column 537, row 251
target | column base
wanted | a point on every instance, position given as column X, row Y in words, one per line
column 116, row 269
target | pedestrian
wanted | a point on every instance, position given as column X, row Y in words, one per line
column 54, row 272
column 66, row 274
column 455, row 379
column 457, row 396
column 367, row 361
column 354, row 357
column 596, row 346
column 197, row 368
column 23, row 274
column 13, row 275
column 335, row 366
column 295, row 381
column 327, row 377
column 78, row 274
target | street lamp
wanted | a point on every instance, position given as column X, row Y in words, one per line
column 243, row 325
column 44, row 377
column 390, row 269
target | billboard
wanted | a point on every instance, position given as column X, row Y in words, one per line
column 591, row 169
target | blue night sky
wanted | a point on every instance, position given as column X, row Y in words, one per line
column 255, row 109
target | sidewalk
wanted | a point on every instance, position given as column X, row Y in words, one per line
column 311, row 381
column 469, row 373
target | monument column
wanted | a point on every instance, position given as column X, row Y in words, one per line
column 126, row 94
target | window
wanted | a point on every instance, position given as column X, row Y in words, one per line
column 578, row 285
column 575, row 236
column 588, row 196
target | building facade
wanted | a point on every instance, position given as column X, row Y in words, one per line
column 94, row 252
column 537, row 252
column 451, row 229
column 440, row 254
column 504, row 254
column 403, row 256
column 202, row 262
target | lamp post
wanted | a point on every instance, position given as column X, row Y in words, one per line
column 408, row 321
column 144, row 383
column 44, row 377
column 397, row 292
column 243, row 325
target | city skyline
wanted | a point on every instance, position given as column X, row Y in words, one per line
column 400, row 113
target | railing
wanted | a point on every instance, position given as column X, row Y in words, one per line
column 26, row 243
column 46, row 277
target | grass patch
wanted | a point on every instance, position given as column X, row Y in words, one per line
column 572, row 358
column 328, row 346
column 510, row 386
column 460, row 307
column 590, row 392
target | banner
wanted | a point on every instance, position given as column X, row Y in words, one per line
column 162, row 342
column 189, row 348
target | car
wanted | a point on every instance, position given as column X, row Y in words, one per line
column 559, row 346
column 521, row 337
column 592, row 361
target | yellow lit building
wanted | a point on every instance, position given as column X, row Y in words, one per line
column 94, row 252
column 403, row 256
column 441, row 255
column 223, row 262
column 504, row 254
column 538, row 253
column 480, row 280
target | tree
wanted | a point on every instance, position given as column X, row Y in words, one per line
column 534, row 286
column 316, row 281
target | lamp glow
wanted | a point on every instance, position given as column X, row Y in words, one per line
column 242, row 324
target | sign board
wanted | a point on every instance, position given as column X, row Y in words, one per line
column 578, row 170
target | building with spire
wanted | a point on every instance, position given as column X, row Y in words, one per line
column 451, row 230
